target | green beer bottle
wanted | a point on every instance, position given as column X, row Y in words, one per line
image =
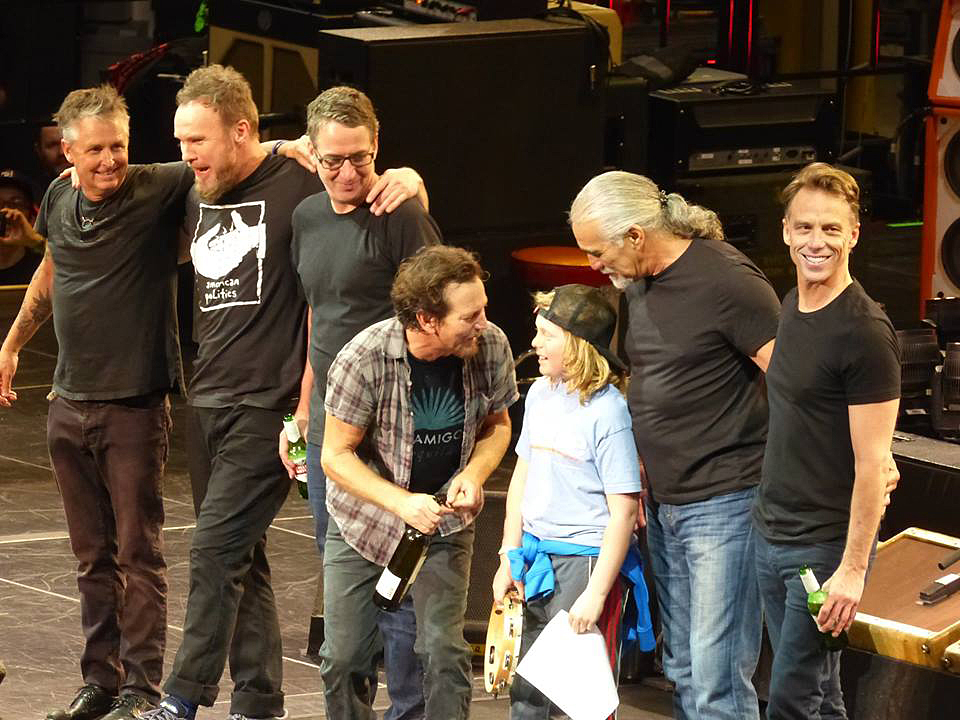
column 296, row 452
column 815, row 599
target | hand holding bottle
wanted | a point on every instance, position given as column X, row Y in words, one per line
column 422, row 512
column 283, row 447
column 844, row 588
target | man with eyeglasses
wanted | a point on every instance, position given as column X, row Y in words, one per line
column 346, row 255
column 250, row 324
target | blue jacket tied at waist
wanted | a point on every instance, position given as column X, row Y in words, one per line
column 530, row 564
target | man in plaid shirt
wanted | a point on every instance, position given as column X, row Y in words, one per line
column 415, row 405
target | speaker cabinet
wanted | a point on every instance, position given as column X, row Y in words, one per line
column 944, row 86
column 503, row 119
column 940, row 256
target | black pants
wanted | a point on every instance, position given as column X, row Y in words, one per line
column 108, row 458
column 239, row 486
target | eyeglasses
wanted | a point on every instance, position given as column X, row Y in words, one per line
column 335, row 162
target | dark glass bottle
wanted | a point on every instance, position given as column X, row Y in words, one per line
column 815, row 599
column 401, row 571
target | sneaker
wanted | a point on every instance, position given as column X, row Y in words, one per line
column 129, row 706
column 170, row 708
column 241, row 716
column 91, row 702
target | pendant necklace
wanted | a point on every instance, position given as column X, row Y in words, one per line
column 87, row 222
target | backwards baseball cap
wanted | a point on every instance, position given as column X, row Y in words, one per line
column 582, row 311
column 18, row 180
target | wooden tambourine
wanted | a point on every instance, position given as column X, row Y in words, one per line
column 503, row 643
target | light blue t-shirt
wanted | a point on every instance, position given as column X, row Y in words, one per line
column 577, row 454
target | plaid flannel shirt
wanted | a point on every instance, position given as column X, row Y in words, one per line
column 368, row 386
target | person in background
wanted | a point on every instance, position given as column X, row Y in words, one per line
column 21, row 247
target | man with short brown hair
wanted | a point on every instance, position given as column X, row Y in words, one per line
column 416, row 405
column 834, row 386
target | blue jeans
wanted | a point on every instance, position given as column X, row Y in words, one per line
column 704, row 572
column 351, row 638
column 399, row 629
column 805, row 679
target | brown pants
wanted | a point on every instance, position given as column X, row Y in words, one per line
column 109, row 459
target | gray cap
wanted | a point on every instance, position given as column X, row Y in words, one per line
column 583, row 311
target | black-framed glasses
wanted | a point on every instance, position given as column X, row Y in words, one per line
column 335, row 162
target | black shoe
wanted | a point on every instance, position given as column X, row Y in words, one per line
column 129, row 706
column 91, row 703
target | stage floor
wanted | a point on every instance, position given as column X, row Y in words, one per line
column 40, row 638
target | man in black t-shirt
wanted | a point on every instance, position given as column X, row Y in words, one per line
column 346, row 256
column 107, row 279
column 21, row 247
column 250, row 325
column 834, row 387
column 700, row 330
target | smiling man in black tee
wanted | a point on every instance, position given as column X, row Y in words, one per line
column 834, row 386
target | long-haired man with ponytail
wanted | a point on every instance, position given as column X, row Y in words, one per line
column 701, row 324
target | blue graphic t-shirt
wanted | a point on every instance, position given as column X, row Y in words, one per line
column 436, row 396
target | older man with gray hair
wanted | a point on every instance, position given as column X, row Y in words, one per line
column 107, row 279
column 702, row 319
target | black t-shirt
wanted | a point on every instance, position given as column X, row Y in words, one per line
column 249, row 319
column 436, row 398
column 695, row 396
column 824, row 361
column 21, row 272
column 346, row 264
column 114, row 308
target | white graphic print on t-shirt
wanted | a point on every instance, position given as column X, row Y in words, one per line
column 228, row 273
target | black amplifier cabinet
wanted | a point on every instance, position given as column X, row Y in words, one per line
column 503, row 119
column 714, row 128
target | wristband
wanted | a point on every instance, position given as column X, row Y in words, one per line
column 276, row 146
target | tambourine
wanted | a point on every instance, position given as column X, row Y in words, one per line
column 503, row 643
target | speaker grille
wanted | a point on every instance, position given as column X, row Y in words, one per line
column 951, row 162
column 950, row 252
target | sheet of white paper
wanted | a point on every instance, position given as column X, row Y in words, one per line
column 572, row 670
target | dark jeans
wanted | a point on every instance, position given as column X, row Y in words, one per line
column 239, row 486
column 399, row 629
column 108, row 458
column 805, row 679
column 351, row 640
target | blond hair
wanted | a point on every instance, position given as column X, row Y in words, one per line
column 102, row 102
column 226, row 91
column 587, row 372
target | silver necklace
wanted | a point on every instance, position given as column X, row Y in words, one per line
column 87, row 222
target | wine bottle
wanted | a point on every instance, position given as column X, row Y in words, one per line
column 815, row 599
column 401, row 571
column 296, row 453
